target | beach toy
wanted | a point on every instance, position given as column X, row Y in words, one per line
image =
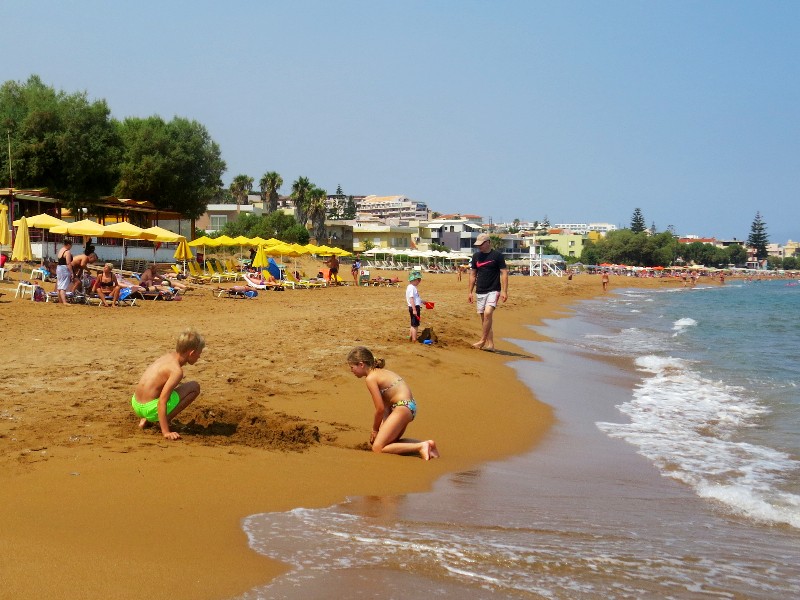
column 428, row 342
column 429, row 305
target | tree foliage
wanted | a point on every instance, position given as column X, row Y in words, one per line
column 271, row 182
column 241, row 186
column 175, row 165
column 758, row 239
column 60, row 142
column 300, row 190
column 662, row 249
column 317, row 210
column 273, row 225
column 637, row 221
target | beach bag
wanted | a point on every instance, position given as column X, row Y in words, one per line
column 39, row 294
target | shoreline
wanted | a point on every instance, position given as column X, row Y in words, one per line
column 94, row 505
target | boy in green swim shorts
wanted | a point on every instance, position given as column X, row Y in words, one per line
column 159, row 396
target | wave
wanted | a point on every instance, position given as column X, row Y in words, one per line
column 690, row 426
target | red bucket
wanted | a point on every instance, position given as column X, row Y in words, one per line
column 429, row 305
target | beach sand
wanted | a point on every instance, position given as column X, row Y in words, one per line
column 93, row 507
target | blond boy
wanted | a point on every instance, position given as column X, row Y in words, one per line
column 160, row 396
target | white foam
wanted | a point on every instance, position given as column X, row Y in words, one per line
column 682, row 324
column 689, row 425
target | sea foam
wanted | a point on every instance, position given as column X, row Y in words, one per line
column 688, row 425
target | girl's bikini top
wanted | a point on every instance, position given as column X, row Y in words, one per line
column 390, row 386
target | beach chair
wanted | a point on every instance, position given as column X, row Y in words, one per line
column 125, row 298
column 262, row 284
column 219, row 269
column 216, row 275
column 236, row 291
column 303, row 283
column 196, row 273
column 72, row 297
column 233, row 268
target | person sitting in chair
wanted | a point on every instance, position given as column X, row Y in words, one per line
column 106, row 285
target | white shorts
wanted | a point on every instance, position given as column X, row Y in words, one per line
column 64, row 277
column 484, row 300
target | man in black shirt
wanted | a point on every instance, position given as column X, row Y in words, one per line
column 489, row 279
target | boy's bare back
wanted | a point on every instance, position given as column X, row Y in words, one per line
column 166, row 369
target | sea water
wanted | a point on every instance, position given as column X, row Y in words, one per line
column 671, row 472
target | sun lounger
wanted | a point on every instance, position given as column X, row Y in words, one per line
column 126, row 298
column 303, row 283
column 261, row 284
column 72, row 298
column 196, row 273
column 236, row 291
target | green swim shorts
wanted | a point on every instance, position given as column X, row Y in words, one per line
column 149, row 410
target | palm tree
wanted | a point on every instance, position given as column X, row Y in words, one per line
column 241, row 186
column 317, row 210
column 300, row 189
column 271, row 182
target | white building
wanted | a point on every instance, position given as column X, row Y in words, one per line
column 399, row 207
column 584, row 228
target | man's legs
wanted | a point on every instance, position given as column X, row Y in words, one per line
column 486, row 306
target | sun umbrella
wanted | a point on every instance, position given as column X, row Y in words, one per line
column 261, row 260
column 22, row 244
column 86, row 227
column 163, row 235
column 3, row 225
column 183, row 253
column 201, row 241
column 222, row 240
column 127, row 231
column 42, row 221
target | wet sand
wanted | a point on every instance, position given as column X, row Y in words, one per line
column 93, row 504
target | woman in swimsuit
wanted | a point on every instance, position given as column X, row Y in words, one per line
column 395, row 407
column 64, row 270
column 106, row 285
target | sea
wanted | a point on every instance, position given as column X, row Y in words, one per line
column 672, row 471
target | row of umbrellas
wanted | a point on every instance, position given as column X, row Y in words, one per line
column 124, row 230
column 271, row 245
column 86, row 227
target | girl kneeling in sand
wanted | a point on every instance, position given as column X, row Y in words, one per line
column 395, row 407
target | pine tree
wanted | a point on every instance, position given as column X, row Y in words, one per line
column 637, row 221
column 758, row 239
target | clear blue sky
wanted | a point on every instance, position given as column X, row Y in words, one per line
column 578, row 111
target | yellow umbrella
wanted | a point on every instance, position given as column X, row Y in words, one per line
column 183, row 253
column 257, row 241
column 163, row 235
column 261, row 260
column 201, row 241
column 87, row 227
column 42, row 221
column 222, row 240
column 3, row 225
column 127, row 231
column 22, row 244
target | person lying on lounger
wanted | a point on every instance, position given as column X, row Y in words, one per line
column 154, row 281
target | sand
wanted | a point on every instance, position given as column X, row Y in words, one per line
column 93, row 507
